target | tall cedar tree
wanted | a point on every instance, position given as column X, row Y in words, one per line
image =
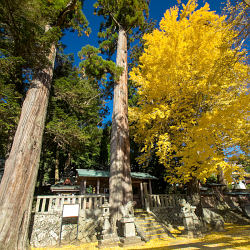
column 120, row 18
column 18, row 183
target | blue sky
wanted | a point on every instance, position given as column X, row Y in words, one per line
column 157, row 9
column 156, row 12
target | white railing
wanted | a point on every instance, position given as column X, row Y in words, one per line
column 53, row 203
column 162, row 200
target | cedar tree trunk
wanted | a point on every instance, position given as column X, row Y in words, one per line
column 18, row 183
column 120, row 185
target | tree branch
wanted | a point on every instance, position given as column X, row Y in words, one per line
column 70, row 6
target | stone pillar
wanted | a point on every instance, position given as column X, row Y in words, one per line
column 189, row 224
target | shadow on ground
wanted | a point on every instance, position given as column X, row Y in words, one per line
column 234, row 237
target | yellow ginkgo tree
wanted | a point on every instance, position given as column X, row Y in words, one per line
column 193, row 96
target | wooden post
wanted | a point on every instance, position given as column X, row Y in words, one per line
column 150, row 187
column 43, row 204
column 84, row 203
column 145, row 188
column 84, row 186
column 90, row 202
column 142, row 195
column 158, row 201
column 50, row 204
column 98, row 186
column 38, row 204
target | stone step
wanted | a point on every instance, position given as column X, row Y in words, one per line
column 157, row 236
column 145, row 219
column 145, row 226
column 139, row 210
column 152, row 225
column 147, row 223
column 148, row 228
column 144, row 216
column 141, row 213
column 154, row 232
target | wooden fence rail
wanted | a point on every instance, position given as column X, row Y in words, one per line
column 52, row 203
column 162, row 200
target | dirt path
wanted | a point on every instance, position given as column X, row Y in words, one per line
column 234, row 237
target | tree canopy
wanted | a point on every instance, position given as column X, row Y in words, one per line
column 24, row 45
column 193, row 96
column 126, row 14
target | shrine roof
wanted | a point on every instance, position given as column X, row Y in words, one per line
column 101, row 173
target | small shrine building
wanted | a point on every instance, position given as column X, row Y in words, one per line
column 89, row 181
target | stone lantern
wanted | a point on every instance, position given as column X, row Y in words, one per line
column 108, row 239
column 190, row 220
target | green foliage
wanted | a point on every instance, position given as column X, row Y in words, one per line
column 29, row 27
column 212, row 179
column 72, row 137
column 125, row 13
column 94, row 66
column 121, row 14
column 75, row 106
column 20, row 35
column 27, row 30
column 104, row 158
column 9, row 111
column 136, row 51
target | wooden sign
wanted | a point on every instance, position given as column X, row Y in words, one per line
column 71, row 210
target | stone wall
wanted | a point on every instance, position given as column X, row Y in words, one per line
column 168, row 216
column 45, row 230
